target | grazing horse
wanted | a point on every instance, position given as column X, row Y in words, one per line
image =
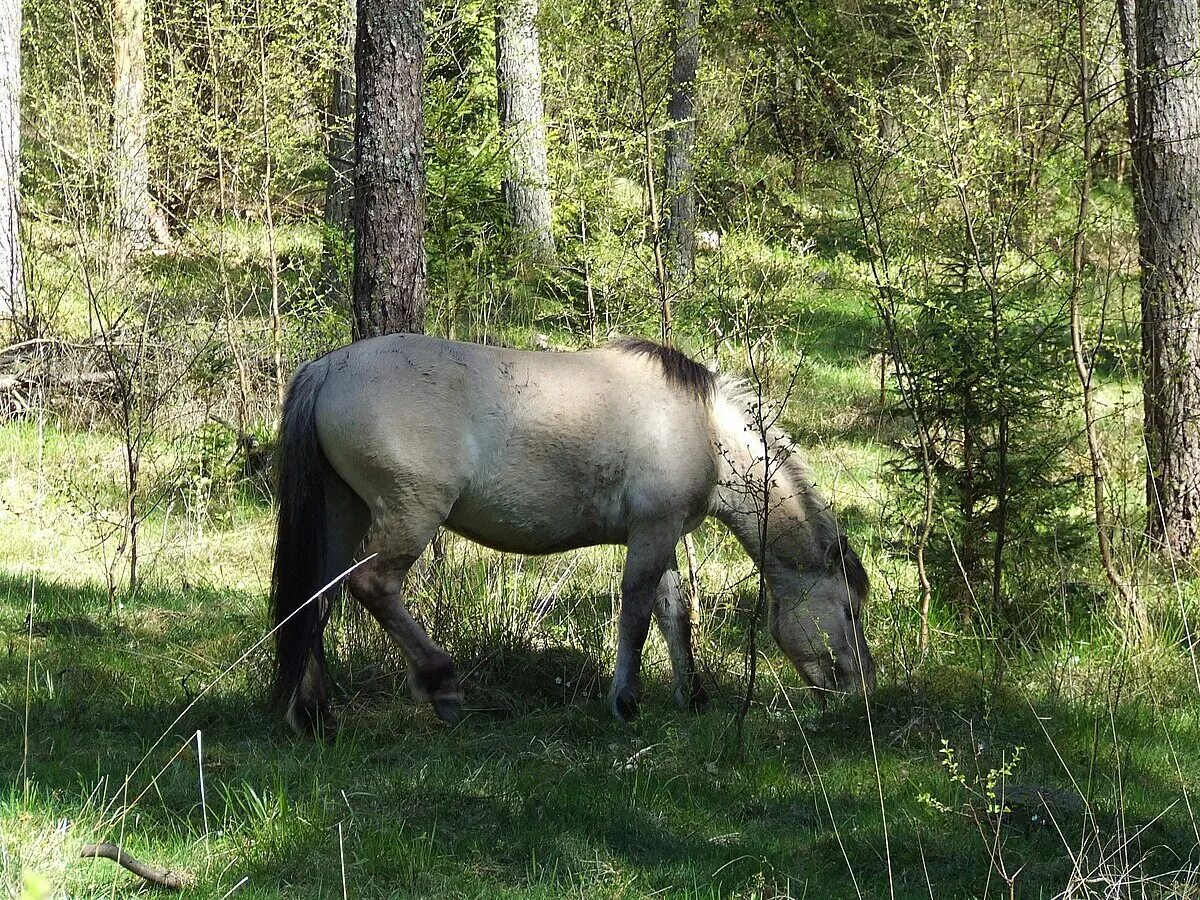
column 386, row 440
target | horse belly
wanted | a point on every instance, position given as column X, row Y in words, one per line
column 551, row 526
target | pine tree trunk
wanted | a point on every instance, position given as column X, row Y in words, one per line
column 339, row 184
column 1167, row 163
column 681, row 139
column 389, row 143
column 131, row 164
column 522, row 119
column 12, row 284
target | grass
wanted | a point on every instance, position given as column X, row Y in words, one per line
column 1072, row 774
column 550, row 797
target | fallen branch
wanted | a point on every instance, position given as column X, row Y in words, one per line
column 12, row 381
column 158, row 877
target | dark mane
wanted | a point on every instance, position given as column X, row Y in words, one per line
column 678, row 368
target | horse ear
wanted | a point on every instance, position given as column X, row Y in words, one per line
column 833, row 554
column 837, row 552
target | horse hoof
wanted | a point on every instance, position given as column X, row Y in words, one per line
column 314, row 721
column 326, row 729
column 448, row 710
column 625, row 705
column 693, row 697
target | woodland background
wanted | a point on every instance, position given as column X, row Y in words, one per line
column 957, row 243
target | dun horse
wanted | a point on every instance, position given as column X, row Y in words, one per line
column 386, row 440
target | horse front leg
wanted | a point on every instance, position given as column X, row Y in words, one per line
column 673, row 612
column 651, row 554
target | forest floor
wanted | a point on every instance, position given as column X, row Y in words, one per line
column 141, row 719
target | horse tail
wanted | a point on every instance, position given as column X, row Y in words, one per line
column 297, row 614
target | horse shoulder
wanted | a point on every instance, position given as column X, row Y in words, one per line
column 675, row 470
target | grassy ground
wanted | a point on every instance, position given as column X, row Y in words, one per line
column 1074, row 769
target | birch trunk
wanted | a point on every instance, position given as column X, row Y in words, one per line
column 131, row 164
column 12, row 284
column 681, row 140
column 523, row 121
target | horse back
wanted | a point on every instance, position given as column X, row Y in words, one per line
column 529, row 452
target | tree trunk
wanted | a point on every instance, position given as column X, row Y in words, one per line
column 131, row 164
column 12, row 284
column 389, row 142
column 339, row 184
column 1167, row 164
column 522, row 119
column 681, row 139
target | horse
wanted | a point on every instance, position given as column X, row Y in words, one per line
column 386, row 440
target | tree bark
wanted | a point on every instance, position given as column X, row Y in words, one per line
column 339, row 184
column 681, row 140
column 1167, row 165
column 12, row 282
column 131, row 163
column 389, row 141
column 523, row 121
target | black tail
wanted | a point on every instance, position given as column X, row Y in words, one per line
column 299, row 537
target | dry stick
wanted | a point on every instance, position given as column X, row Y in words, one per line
column 342, row 859
column 28, row 689
column 276, row 322
column 660, row 268
column 583, row 236
column 154, row 875
column 237, row 887
column 761, row 600
column 689, row 550
column 200, row 769
column 1132, row 609
column 763, row 425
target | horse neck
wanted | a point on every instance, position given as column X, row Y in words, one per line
column 759, row 482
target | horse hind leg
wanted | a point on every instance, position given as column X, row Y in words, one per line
column 673, row 613
column 378, row 585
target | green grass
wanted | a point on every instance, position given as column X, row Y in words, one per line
column 539, row 792
column 549, row 796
